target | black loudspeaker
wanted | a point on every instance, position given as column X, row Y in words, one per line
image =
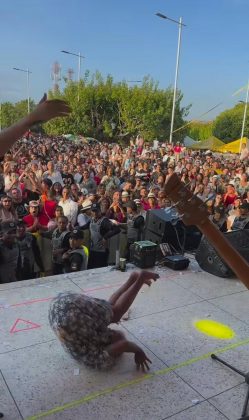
column 210, row 261
column 161, row 227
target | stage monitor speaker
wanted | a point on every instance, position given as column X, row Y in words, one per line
column 156, row 221
column 161, row 227
column 210, row 261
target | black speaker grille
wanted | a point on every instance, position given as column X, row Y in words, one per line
column 209, row 260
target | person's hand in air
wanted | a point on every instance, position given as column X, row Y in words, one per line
column 48, row 109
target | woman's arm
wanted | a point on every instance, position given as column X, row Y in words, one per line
column 45, row 111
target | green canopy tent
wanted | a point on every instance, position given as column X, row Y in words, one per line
column 189, row 142
column 209, row 144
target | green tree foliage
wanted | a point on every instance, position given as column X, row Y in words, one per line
column 200, row 130
column 109, row 110
column 227, row 126
column 11, row 113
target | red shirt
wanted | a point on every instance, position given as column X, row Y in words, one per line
column 177, row 149
column 139, row 150
column 145, row 205
column 47, row 212
column 229, row 199
column 29, row 220
column 97, row 179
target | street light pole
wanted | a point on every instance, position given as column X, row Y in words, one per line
column 27, row 71
column 28, row 97
column 79, row 67
column 180, row 25
column 176, row 80
column 244, row 117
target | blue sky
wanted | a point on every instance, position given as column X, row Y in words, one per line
column 126, row 39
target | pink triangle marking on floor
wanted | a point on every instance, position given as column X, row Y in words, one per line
column 31, row 327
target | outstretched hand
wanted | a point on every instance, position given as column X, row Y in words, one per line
column 48, row 109
column 142, row 361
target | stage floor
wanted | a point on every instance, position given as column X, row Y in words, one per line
column 39, row 380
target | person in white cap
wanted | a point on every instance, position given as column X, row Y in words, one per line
column 125, row 197
column 84, row 216
column 152, row 201
column 76, row 258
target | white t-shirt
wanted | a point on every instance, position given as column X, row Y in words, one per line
column 70, row 209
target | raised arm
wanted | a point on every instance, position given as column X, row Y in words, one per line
column 45, row 111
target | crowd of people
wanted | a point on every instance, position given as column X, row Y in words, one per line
column 61, row 202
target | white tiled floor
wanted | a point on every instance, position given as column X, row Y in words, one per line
column 38, row 380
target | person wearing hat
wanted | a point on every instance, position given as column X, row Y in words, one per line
column 152, row 201
column 35, row 220
column 125, row 197
column 76, row 258
column 84, row 216
column 84, row 219
column 29, row 253
column 101, row 229
column 9, row 253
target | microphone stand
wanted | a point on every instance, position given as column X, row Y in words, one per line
column 245, row 376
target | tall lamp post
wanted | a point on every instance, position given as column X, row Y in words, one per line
column 28, row 72
column 79, row 67
column 244, row 117
column 180, row 25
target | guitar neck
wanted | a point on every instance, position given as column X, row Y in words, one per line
column 229, row 254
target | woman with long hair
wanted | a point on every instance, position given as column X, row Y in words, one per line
column 57, row 191
column 7, row 210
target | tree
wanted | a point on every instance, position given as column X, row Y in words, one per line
column 227, row 126
column 111, row 111
column 11, row 113
column 200, row 130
